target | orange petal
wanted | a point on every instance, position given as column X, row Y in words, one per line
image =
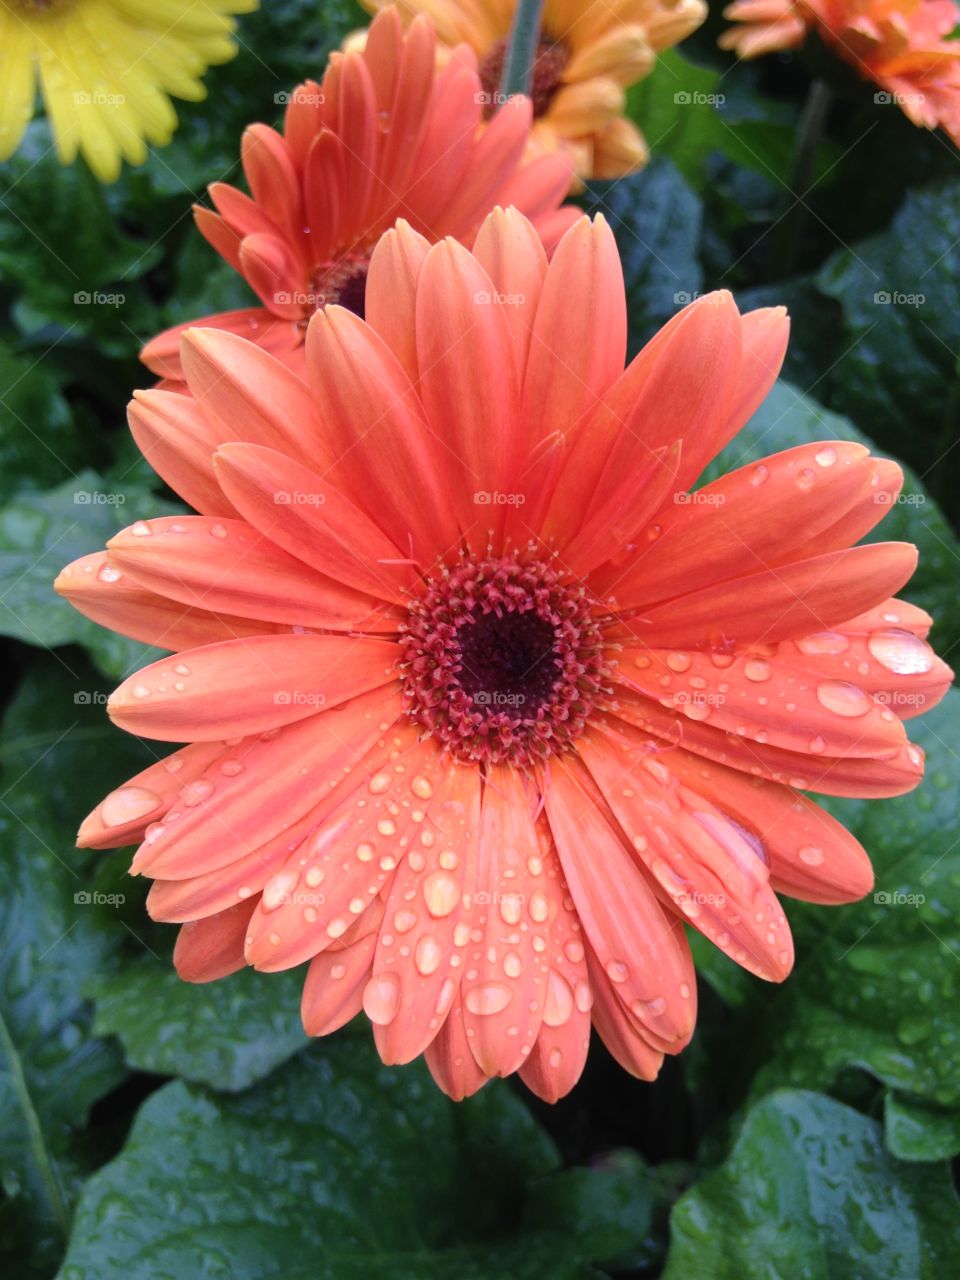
column 175, row 437
column 309, row 518
column 780, row 603
column 333, row 990
column 246, row 686
column 641, row 947
column 452, row 1065
column 391, row 296
column 704, row 864
column 617, row 1030
column 422, row 948
column 278, row 336
column 122, row 817
column 213, row 948
column 504, row 999
column 229, row 566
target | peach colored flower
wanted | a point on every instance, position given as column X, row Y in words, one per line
column 590, row 52
column 482, row 705
column 384, row 135
column 900, row 45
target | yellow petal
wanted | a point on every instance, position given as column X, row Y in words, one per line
column 17, row 82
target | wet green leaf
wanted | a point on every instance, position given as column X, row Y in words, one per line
column 809, row 1193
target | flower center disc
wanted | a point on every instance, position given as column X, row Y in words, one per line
column 343, row 283
column 552, row 57
column 503, row 660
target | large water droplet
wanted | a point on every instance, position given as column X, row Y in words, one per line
column 127, row 804
column 489, row 998
column 901, row 652
column 843, row 699
column 441, row 893
column 428, row 955
column 558, row 1005
column 381, row 998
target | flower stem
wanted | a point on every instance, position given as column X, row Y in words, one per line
column 809, row 131
column 522, row 49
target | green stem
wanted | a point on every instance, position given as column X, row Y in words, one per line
column 522, row 49
column 809, row 131
column 37, row 1145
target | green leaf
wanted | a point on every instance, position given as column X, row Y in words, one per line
column 334, row 1166
column 656, row 219
column 38, row 445
column 42, row 532
column 916, row 1131
column 52, row 1070
column 809, row 1193
column 58, row 242
column 900, row 295
column 876, row 983
column 227, row 1034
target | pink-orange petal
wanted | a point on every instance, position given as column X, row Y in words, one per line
column 245, row 686
column 213, row 948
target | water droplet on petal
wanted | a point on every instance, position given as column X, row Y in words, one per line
column 428, row 955
column 826, row 456
column 558, row 1005
column 381, row 998
column 823, row 642
column 617, row 971
column 489, row 998
column 757, row 670
column 843, row 699
column 441, row 893
column 127, row 804
column 811, row 854
column 901, row 652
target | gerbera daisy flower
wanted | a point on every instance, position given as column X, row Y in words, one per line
column 106, row 68
column 901, row 45
column 384, row 135
column 590, row 51
column 482, row 706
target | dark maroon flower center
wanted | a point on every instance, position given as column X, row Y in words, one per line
column 503, row 660
column 552, row 57
column 343, row 282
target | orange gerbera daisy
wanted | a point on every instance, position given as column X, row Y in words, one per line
column 482, row 705
column 384, row 135
column 590, row 51
column 901, row 45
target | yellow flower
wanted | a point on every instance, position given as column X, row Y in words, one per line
column 590, row 52
column 106, row 68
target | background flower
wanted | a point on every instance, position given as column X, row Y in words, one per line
column 904, row 47
column 107, row 69
column 384, row 135
column 589, row 53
